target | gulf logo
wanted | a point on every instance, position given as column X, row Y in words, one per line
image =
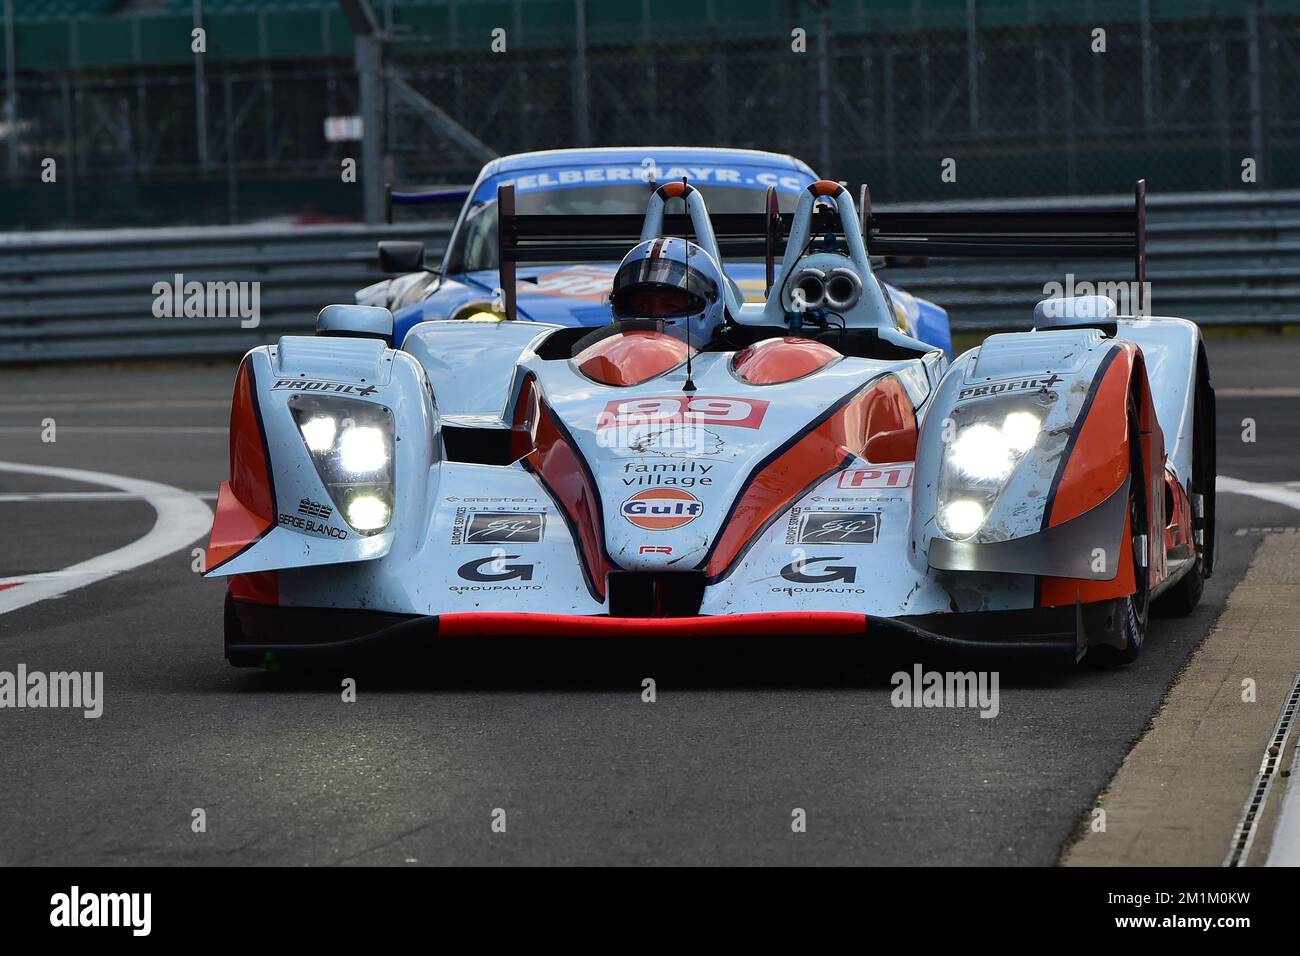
column 662, row 509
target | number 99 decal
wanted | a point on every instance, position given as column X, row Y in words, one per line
column 675, row 409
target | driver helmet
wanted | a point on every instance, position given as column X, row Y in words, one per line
column 674, row 280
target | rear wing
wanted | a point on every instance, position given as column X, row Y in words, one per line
column 415, row 196
column 1043, row 234
column 1038, row 234
column 607, row 238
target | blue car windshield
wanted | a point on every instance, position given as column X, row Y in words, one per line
column 474, row 246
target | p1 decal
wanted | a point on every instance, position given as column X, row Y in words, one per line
column 684, row 409
column 882, row 476
column 803, row 572
column 839, row 527
column 662, row 509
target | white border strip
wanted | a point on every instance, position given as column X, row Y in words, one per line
column 1285, row 850
column 6, row 497
column 1248, row 828
column 181, row 518
column 1277, row 493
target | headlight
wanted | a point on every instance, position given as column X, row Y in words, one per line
column 368, row 513
column 479, row 312
column 351, row 445
column 363, row 449
column 989, row 439
column 318, row 432
column 962, row 517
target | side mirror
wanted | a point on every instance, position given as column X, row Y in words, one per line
column 356, row 321
column 1075, row 307
column 401, row 256
column 896, row 445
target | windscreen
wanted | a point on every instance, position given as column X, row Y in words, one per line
column 738, row 189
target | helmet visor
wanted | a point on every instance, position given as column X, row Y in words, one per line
column 660, row 288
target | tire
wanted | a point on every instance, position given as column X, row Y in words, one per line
column 1134, row 611
column 1182, row 597
column 234, row 634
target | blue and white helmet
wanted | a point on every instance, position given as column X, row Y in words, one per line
column 674, row 280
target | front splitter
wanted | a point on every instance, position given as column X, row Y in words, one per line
column 258, row 629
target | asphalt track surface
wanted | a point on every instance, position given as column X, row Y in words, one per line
column 554, row 733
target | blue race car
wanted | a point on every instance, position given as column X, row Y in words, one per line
column 590, row 181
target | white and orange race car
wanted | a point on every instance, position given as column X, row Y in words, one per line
column 702, row 465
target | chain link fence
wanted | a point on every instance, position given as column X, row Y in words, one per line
column 1019, row 110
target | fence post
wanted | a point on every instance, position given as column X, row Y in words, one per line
column 372, row 126
column 70, row 147
column 200, row 96
column 972, row 66
column 1255, row 80
column 581, row 94
column 823, row 91
column 232, row 185
column 11, row 88
column 1148, row 99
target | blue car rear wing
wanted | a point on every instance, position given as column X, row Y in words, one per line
column 431, row 196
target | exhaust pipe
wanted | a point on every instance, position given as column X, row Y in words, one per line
column 843, row 289
column 809, row 288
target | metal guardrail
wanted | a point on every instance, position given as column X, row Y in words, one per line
column 1216, row 258
column 89, row 295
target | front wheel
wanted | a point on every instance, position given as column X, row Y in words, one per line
column 1183, row 596
column 1129, row 615
column 234, row 635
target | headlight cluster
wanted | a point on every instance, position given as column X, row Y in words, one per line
column 988, row 439
column 351, row 445
column 480, row 312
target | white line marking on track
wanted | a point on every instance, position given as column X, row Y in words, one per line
column 1276, row 493
column 35, row 430
column 180, row 519
column 1266, row 391
column 96, row 496
column 120, row 405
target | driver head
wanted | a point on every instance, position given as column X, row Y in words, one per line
column 673, row 280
